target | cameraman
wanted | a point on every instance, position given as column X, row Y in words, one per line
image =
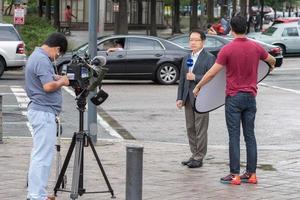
column 43, row 87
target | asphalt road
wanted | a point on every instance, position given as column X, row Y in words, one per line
column 147, row 111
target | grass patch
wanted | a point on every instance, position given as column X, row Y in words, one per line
column 34, row 32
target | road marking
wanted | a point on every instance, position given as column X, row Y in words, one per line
column 23, row 101
column 280, row 88
column 100, row 120
column 286, row 69
column 2, row 94
column 21, row 97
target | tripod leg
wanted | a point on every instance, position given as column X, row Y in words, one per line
column 77, row 166
column 65, row 165
column 101, row 167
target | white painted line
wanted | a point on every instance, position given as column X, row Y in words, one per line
column 287, row 69
column 100, row 120
column 2, row 94
column 14, row 123
column 280, row 88
column 23, row 101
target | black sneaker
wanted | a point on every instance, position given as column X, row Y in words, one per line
column 187, row 161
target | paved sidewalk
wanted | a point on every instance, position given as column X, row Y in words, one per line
column 163, row 176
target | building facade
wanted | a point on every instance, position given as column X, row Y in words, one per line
column 138, row 13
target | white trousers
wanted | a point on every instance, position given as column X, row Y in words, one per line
column 44, row 136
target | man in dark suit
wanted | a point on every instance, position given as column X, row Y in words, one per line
column 196, row 124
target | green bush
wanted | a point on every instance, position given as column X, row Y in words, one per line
column 35, row 31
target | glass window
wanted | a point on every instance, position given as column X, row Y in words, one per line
column 182, row 41
column 269, row 31
column 290, row 32
column 143, row 44
column 8, row 34
column 111, row 43
column 212, row 43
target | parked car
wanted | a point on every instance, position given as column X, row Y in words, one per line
column 214, row 44
column 284, row 35
column 142, row 58
column 12, row 49
column 285, row 20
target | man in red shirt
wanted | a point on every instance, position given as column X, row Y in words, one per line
column 68, row 18
column 241, row 58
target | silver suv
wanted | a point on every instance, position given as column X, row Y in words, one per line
column 12, row 48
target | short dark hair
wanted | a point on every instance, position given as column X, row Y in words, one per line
column 68, row 7
column 201, row 33
column 238, row 24
column 57, row 40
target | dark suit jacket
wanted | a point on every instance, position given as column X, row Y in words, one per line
column 185, row 88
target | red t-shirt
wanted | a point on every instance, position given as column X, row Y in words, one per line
column 241, row 58
column 68, row 14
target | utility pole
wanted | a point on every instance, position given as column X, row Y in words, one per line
column 92, row 113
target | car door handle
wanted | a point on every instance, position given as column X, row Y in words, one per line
column 120, row 56
column 158, row 55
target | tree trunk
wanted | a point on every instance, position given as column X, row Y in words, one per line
column 194, row 16
column 176, row 17
column 140, row 11
column 224, row 7
column 40, row 8
column 123, row 18
column 9, row 8
column 210, row 12
column 234, row 7
column 251, row 3
column 1, row 10
column 243, row 4
column 48, row 10
column 56, row 15
column 153, row 28
column 262, row 4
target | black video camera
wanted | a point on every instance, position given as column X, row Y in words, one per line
column 80, row 70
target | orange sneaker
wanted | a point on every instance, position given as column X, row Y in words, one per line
column 248, row 177
column 231, row 179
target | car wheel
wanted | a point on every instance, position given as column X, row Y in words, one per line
column 282, row 47
column 2, row 66
column 167, row 74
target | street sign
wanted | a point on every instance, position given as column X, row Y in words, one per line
column 19, row 15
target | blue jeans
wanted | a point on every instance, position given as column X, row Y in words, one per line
column 241, row 108
column 44, row 136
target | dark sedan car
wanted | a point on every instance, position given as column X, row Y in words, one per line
column 214, row 44
column 141, row 58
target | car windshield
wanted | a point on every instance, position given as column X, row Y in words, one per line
column 270, row 31
column 81, row 48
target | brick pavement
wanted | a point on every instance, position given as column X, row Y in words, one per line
column 163, row 176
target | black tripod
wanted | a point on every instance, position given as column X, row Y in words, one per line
column 80, row 140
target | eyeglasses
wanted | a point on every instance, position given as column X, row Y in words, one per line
column 195, row 40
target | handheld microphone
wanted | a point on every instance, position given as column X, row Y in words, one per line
column 97, row 63
column 98, row 81
column 189, row 63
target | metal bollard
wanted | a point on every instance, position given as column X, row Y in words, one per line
column 134, row 172
column 1, row 120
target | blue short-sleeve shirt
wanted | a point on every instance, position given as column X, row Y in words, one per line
column 39, row 70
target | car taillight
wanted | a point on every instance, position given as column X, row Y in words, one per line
column 21, row 48
column 275, row 51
